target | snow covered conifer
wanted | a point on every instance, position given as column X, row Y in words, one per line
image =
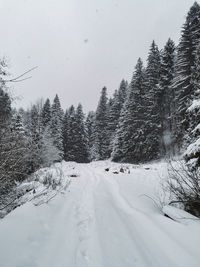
column 128, row 143
column 183, row 84
column 100, row 149
column 46, row 113
column 5, row 107
column 167, row 96
column 69, row 130
column 192, row 153
column 65, row 133
column 115, row 111
column 56, row 124
column 152, row 98
column 89, row 124
column 81, row 145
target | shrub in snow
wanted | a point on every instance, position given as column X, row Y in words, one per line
column 184, row 186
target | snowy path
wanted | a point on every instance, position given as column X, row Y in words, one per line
column 100, row 221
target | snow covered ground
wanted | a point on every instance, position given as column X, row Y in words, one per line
column 100, row 219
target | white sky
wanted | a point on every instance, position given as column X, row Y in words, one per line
column 80, row 46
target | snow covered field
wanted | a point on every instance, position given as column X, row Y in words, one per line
column 101, row 219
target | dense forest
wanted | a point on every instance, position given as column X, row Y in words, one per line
column 156, row 115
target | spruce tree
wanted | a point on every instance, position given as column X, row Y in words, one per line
column 100, row 149
column 90, row 131
column 46, row 113
column 192, row 138
column 167, row 96
column 65, row 133
column 34, row 132
column 57, row 124
column 182, row 84
column 69, row 133
column 5, row 107
column 152, row 96
column 115, row 111
column 81, row 145
column 128, row 143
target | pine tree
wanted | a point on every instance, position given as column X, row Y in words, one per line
column 167, row 96
column 56, row 125
column 100, row 149
column 130, row 135
column 183, row 84
column 46, row 113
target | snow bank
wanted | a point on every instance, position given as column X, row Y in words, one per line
column 180, row 215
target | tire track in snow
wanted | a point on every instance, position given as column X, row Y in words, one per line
column 88, row 251
column 149, row 247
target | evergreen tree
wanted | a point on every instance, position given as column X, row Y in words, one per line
column 183, row 84
column 46, row 113
column 49, row 153
column 19, row 148
column 128, row 143
column 69, row 133
column 34, row 132
column 152, row 96
column 65, row 135
column 5, row 107
column 115, row 111
column 100, row 149
column 56, row 125
column 167, row 96
column 192, row 138
column 90, row 130
column 81, row 146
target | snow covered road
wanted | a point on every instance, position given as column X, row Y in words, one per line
column 102, row 220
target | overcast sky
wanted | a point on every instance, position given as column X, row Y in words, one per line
column 80, row 46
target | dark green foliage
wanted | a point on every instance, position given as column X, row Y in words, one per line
column 100, row 149
column 130, row 131
column 75, row 137
column 5, row 106
column 183, row 84
column 152, row 99
column 56, row 125
column 81, row 148
column 115, row 111
column 89, row 124
column 65, row 133
column 46, row 113
column 192, row 138
column 167, row 97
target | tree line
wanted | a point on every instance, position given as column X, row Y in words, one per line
column 156, row 115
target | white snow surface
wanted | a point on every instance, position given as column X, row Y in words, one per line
column 101, row 219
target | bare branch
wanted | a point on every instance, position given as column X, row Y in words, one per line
column 17, row 79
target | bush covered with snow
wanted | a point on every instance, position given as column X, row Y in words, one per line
column 184, row 186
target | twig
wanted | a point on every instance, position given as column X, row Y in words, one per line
column 17, row 79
